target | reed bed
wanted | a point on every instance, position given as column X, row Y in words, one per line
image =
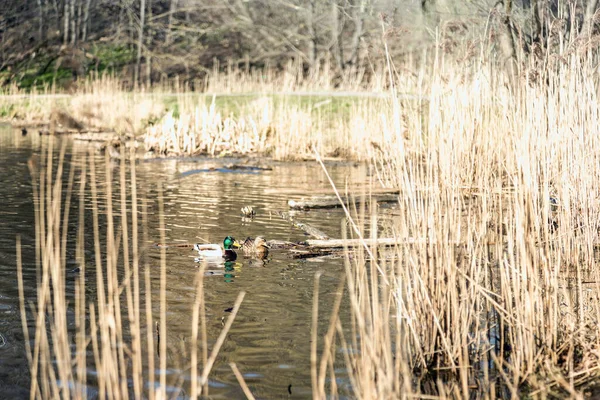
column 499, row 179
column 281, row 129
column 279, row 116
column 105, row 339
column 293, row 77
column 499, row 297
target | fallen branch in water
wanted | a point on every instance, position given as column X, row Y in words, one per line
column 338, row 243
column 168, row 245
column 309, row 229
column 332, row 201
column 357, row 188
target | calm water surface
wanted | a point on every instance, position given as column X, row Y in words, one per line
column 270, row 338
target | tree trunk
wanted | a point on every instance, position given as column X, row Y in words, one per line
column 73, row 24
column 77, row 31
column 537, row 23
column 507, row 42
column 66, row 23
column 359, row 16
column 336, row 35
column 140, row 42
column 147, row 55
column 588, row 20
column 312, row 37
column 57, row 13
column 86, row 16
column 41, row 20
column 172, row 11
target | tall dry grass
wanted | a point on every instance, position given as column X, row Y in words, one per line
column 100, row 341
column 293, row 77
column 499, row 296
column 280, row 119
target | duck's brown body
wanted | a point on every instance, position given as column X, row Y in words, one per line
column 257, row 247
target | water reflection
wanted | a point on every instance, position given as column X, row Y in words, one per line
column 269, row 340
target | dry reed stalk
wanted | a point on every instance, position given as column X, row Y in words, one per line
column 313, row 337
column 198, row 304
column 241, row 381
column 163, row 300
column 148, row 303
column 220, row 340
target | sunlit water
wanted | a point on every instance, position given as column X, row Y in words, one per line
column 270, row 338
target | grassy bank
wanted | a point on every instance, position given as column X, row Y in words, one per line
column 282, row 115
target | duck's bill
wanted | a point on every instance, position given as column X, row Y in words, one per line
column 236, row 244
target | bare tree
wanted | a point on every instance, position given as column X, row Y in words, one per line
column 172, row 11
column 73, row 23
column 337, row 26
column 140, row 41
column 66, row 23
column 358, row 16
column 41, row 20
column 86, row 15
column 590, row 11
column 312, row 33
column 148, row 54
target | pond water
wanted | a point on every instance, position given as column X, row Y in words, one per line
column 270, row 338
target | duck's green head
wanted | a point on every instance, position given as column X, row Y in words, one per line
column 230, row 243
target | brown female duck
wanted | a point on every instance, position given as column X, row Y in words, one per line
column 257, row 247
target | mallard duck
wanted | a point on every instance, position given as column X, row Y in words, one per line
column 248, row 212
column 257, row 247
column 215, row 251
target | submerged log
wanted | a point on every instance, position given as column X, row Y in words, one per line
column 309, row 229
column 338, row 243
column 248, row 167
column 64, row 120
column 96, row 136
column 317, row 253
column 333, row 201
column 357, row 188
column 283, row 245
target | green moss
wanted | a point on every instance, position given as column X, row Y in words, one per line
column 30, row 80
column 7, row 110
column 112, row 57
column 171, row 104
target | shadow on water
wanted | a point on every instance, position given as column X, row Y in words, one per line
column 270, row 338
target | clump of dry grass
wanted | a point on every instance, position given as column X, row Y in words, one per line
column 283, row 130
column 101, row 340
column 205, row 131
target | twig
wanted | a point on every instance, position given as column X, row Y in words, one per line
column 309, row 229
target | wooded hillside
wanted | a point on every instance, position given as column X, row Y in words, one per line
column 144, row 41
